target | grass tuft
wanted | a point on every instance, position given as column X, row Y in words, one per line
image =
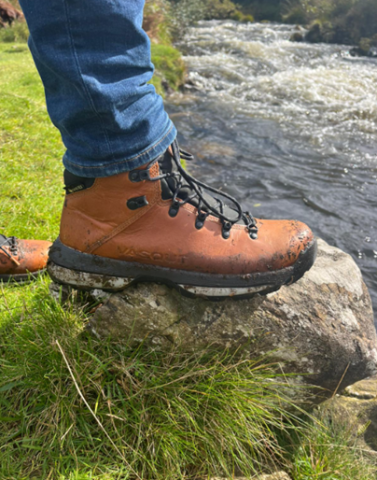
column 18, row 32
column 135, row 413
column 329, row 451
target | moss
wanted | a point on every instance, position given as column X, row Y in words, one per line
column 219, row 9
column 297, row 15
column 248, row 19
column 170, row 68
column 241, row 17
column 157, row 22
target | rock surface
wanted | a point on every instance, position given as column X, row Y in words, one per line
column 357, row 408
column 322, row 326
column 272, row 476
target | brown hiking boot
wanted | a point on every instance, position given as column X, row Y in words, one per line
column 158, row 224
column 21, row 260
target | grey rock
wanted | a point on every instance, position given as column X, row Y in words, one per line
column 321, row 327
column 272, row 476
column 356, row 408
column 297, row 37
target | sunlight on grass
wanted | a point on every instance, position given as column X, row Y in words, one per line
column 31, row 189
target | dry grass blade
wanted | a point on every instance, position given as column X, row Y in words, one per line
column 91, row 410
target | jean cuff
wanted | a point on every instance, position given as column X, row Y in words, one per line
column 107, row 169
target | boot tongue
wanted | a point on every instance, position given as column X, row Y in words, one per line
column 169, row 185
column 168, row 164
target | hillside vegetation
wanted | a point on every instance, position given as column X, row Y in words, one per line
column 335, row 21
column 349, row 22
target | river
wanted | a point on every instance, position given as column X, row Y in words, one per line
column 288, row 128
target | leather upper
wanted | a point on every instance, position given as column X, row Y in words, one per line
column 98, row 221
column 29, row 256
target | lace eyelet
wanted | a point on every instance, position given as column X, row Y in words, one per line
column 200, row 219
column 253, row 231
column 226, row 230
column 173, row 210
column 13, row 246
column 137, row 176
column 198, row 224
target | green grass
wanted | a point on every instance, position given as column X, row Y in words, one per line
column 168, row 415
column 73, row 408
column 18, row 33
column 330, row 452
column 31, row 189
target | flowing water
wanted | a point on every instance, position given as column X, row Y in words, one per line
column 290, row 129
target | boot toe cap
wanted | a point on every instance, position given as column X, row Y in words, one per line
column 285, row 241
column 33, row 255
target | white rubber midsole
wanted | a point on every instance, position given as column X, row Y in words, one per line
column 90, row 281
column 87, row 280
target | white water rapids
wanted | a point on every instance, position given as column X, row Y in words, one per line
column 290, row 129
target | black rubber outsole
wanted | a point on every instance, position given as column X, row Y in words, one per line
column 100, row 272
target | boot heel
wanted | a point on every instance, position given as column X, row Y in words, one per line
column 86, row 280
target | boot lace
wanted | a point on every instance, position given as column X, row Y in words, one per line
column 11, row 243
column 204, row 208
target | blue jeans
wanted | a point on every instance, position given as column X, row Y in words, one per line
column 95, row 63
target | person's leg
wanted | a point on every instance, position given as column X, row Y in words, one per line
column 122, row 223
column 94, row 61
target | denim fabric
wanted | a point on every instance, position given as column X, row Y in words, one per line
column 94, row 60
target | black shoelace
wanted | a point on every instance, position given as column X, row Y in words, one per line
column 204, row 207
column 10, row 242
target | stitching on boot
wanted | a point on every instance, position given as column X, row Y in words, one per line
column 152, row 202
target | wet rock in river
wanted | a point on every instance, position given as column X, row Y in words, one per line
column 297, row 37
column 321, row 327
column 364, row 49
column 320, row 33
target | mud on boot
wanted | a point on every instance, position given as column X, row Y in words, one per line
column 22, row 260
